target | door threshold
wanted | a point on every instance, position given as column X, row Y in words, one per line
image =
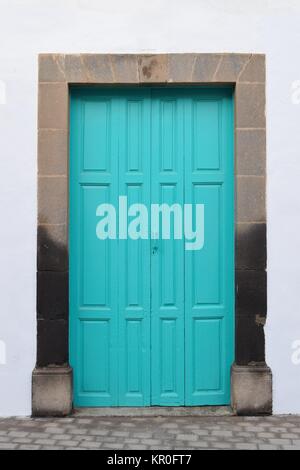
column 156, row 411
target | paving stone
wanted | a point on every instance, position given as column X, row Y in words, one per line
column 267, row 447
column 91, row 445
column 215, row 428
column 245, row 434
column 85, row 438
column 222, row 433
column 160, row 448
column 54, row 430
column 29, row 447
column 278, row 430
column 187, row 437
column 70, row 443
column 66, row 420
column 107, row 423
column 45, row 442
column 150, row 442
column 236, row 440
column 98, row 432
column 7, row 446
column 200, row 432
column 266, row 435
column 121, row 434
column 169, row 425
column 172, row 431
column 22, row 440
column 38, row 435
column 290, row 447
column 198, row 444
column 84, row 421
column 131, row 441
column 137, row 447
column 18, row 434
column 192, row 426
column 143, row 435
column 116, row 446
column 60, row 437
column 280, row 442
column 222, row 445
column 78, row 432
column 52, row 448
column 254, row 429
column 28, row 424
column 287, row 435
column 104, row 439
column 246, row 447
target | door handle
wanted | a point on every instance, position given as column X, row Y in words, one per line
column 154, row 239
column 154, row 249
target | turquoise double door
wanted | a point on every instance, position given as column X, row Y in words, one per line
column 151, row 319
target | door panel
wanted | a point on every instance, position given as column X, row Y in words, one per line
column 151, row 323
column 134, row 255
column 93, row 265
column 167, row 263
column 209, row 282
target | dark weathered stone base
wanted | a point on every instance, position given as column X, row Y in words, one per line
column 52, row 389
column 251, row 390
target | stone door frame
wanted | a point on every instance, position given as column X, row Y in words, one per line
column 52, row 392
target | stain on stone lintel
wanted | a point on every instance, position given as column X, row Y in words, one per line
column 260, row 320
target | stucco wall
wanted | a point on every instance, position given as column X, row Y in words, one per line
column 27, row 28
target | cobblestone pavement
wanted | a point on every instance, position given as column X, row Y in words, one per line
column 152, row 433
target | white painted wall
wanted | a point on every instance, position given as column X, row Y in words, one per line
column 28, row 27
